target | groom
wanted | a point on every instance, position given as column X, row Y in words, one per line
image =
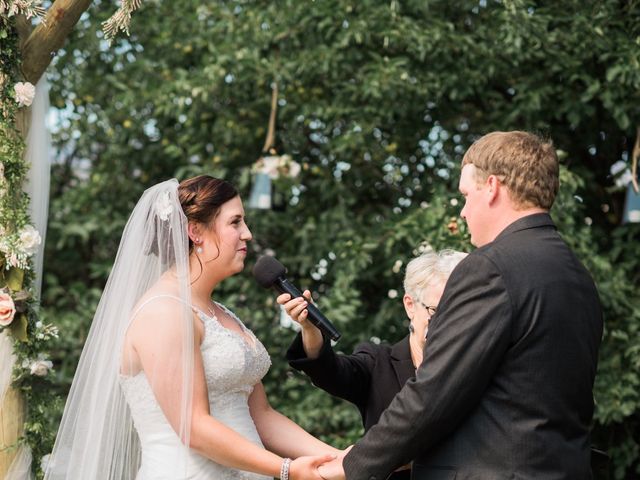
column 505, row 388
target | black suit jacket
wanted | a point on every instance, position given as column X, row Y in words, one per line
column 369, row 378
column 505, row 388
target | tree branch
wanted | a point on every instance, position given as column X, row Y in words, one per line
column 49, row 36
column 24, row 29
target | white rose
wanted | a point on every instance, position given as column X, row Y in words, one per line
column 41, row 367
column 30, row 240
column 25, row 93
column 163, row 206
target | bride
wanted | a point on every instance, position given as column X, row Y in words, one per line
column 169, row 382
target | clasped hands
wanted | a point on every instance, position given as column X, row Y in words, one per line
column 333, row 470
column 327, row 467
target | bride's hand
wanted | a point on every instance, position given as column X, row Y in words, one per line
column 306, row 468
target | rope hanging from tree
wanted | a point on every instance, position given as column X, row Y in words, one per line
column 271, row 130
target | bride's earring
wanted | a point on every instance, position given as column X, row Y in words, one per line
column 198, row 248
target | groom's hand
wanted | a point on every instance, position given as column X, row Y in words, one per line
column 306, row 468
column 332, row 470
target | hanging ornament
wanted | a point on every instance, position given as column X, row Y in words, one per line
column 263, row 171
column 270, row 166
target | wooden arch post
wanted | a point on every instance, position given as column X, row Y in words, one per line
column 37, row 48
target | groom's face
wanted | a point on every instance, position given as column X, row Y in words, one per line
column 476, row 206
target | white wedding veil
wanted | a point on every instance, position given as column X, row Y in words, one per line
column 96, row 439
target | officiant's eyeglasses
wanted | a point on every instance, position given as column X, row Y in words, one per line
column 430, row 310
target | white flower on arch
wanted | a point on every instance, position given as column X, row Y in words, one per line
column 25, row 93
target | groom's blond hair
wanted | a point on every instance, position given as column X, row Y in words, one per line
column 525, row 163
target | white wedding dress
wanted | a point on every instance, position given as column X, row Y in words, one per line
column 232, row 367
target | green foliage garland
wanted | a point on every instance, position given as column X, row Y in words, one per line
column 17, row 242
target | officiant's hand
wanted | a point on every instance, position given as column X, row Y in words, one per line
column 306, row 468
column 296, row 308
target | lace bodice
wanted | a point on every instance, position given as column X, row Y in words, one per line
column 233, row 366
column 244, row 363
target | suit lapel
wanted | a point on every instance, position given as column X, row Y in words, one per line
column 401, row 361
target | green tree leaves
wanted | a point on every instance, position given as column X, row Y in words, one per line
column 378, row 100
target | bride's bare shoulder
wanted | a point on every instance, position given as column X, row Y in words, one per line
column 158, row 306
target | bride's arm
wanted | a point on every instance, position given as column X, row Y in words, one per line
column 280, row 434
column 227, row 447
column 158, row 346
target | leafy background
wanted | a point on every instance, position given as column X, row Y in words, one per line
column 378, row 102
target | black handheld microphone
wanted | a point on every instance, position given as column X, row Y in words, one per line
column 269, row 272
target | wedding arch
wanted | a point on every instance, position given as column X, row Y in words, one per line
column 30, row 36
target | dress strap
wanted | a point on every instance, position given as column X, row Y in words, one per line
column 149, row 300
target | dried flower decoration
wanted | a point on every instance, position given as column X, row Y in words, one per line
column 28, row 8
column 120, row 21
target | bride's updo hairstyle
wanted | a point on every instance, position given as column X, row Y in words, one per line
column 201, row 198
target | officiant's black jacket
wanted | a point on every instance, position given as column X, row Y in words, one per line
column 369, row 378
column 505, row 388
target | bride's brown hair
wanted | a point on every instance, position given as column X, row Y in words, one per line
column 201, row 198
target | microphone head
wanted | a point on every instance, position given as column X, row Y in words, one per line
column 267, row 270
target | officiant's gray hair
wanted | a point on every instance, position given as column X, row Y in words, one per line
column 430, row 269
